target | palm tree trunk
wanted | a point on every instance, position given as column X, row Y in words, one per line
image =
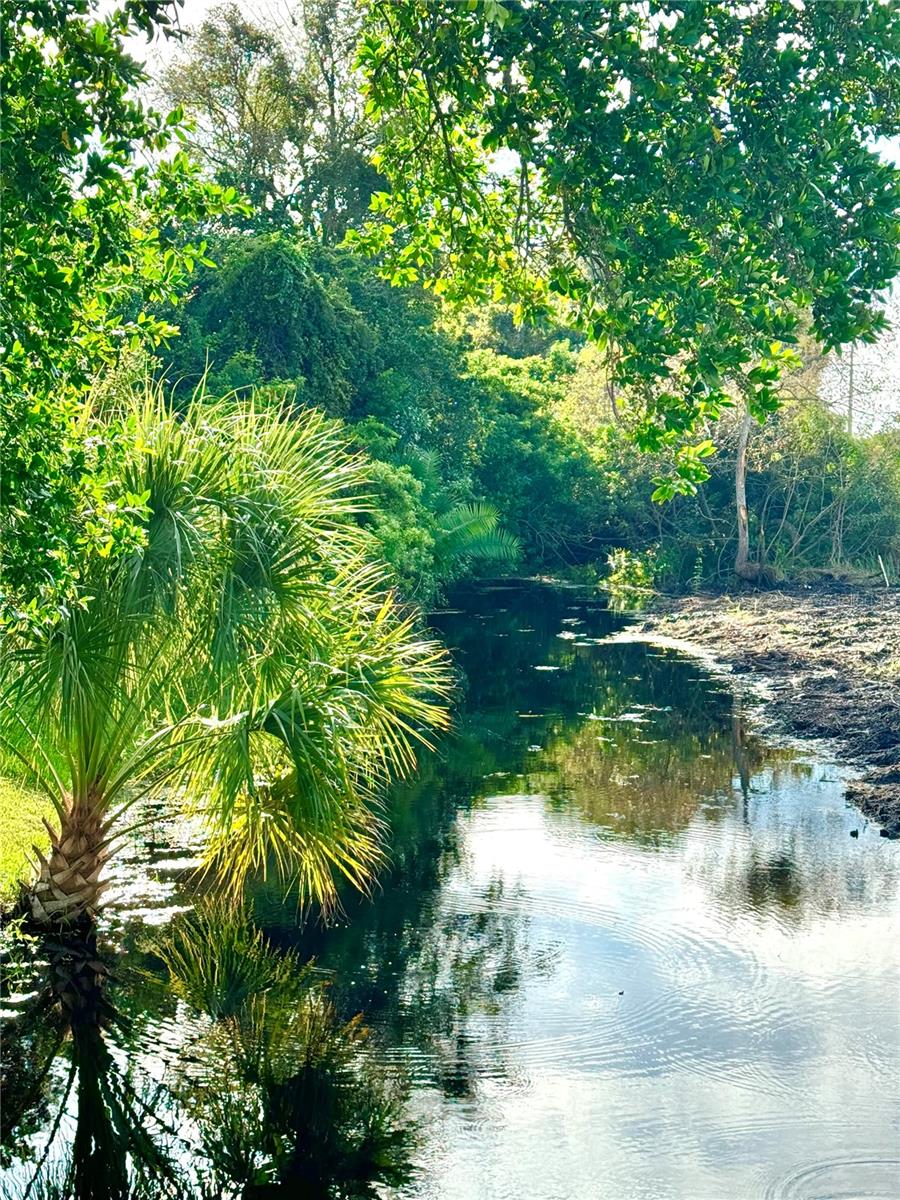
column 68, row 886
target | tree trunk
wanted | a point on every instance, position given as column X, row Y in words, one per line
column 68, row 886
column 837, row 534
column 743, row 567
column 739, row 750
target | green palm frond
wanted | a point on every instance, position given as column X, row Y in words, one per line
column 425, row 465
column 473, row 531
column 246, row 657
column 292, row 768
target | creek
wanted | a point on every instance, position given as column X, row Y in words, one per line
column 629, row 945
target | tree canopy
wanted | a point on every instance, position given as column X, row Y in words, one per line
column 98, row 198
column 691, row 180
column 277, row 113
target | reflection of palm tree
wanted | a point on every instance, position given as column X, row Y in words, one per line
column 293, row 1105
column 113, row 1154
column 278, row 1097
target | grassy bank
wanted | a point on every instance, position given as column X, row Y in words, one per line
column 20, row 827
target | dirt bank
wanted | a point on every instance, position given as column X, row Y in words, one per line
column 831, row 660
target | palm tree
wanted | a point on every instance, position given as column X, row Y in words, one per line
column 467, row 533
column 247, row 660
column 471, row 533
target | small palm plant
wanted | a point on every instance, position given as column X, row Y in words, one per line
column 471, row 533
column 247, row 660
column 467, row 533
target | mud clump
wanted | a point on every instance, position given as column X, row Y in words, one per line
column 831, row 662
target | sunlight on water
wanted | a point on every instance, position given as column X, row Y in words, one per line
column 628, row 947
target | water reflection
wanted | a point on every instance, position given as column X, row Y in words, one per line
column 627, row 947
column 262, row 1092
column 306, row 1111
column 706, row 967
column 98, row 1133
column 643, row 774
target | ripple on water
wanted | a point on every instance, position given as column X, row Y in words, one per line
column 683, row 1022
column 862, row 1177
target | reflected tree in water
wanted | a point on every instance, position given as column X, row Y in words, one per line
column 106, row 1136
column 268, row 1093
column 645, row 773
column 775, row 880
column 441, row 982
column 289, row 1100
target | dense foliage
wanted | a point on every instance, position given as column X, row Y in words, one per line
column 461, row 412
column 98, row 199
column 453, row 423
column 333, row 440
column 820, row 502
column 691, row 178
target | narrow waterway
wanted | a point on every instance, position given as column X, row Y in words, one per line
column 629, row 947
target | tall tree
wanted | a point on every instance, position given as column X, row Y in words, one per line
column 277, row 111
column 691, row 178
column 93, row 238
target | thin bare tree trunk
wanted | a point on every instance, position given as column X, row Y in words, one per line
column 743, row 567
column 837, row 535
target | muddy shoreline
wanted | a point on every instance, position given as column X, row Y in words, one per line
column 830, row 659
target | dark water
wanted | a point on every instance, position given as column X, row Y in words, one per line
column 628, row 949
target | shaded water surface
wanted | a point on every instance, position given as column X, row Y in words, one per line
column 628, row 949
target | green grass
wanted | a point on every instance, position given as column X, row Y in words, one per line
column 20, row 827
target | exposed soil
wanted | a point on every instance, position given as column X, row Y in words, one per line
column 831, row 661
